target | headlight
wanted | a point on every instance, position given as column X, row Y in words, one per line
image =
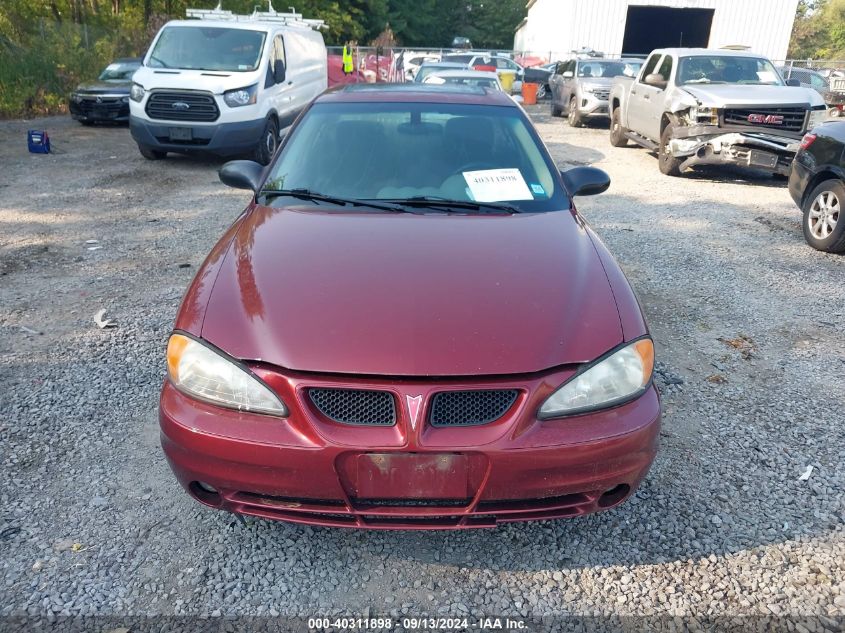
column 208, row 375
column 136, row 92
column 77, row 98
column 816, row 117
column 241, row 96
column 704, row 115
column 618, row 378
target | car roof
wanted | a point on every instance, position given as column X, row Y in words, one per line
column 416, row 93
column 429, row 64
column 710, row 52
column 245, row 25
column 467, row 72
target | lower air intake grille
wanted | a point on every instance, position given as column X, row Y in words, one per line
column 355, row 406
column 467, row 408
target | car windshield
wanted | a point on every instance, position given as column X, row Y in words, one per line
column 207, row 48
column 464, row 80
column 397, row 151
column 119, row 71
column 604, row 68
column 426, row 70
column 723, row 69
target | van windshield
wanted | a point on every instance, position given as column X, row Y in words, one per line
column 208, row 48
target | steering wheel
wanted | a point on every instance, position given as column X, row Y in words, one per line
column 476, row 166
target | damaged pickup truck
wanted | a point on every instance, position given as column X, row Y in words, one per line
column 713, row 107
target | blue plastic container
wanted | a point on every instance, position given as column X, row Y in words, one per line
column 38, row 141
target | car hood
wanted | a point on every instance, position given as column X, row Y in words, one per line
column 214, row 81
column 411, row 295
column 727, row 95
column 105, row 87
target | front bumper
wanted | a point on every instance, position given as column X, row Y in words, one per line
column 222, row 139
column 306, row 469
column 799, row 179
column 591, row 105
column 109, row 109
column 758, row 150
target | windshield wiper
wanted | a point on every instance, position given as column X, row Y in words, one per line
column 307, row 194
column 434, row 202
column 160, row 61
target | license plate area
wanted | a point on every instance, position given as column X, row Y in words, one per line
column 412, row 476
column 181, row 134
column 760, row 158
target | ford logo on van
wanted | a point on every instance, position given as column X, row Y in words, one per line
column 180, row 105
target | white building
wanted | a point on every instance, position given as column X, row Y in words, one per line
column 553, row 28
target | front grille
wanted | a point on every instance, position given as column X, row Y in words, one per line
column 172, row 106
column 601, row 95
column 468, row 408
column 107, row 106
column 355, row 406
column 792, row 118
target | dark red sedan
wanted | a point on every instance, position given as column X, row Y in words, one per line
column 410, row 326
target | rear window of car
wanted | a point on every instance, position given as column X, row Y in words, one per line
column 389, row 151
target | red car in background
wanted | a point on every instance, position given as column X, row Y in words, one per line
column 410, row 326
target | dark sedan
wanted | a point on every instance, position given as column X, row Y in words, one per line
column 106, row 99
column 818, row 188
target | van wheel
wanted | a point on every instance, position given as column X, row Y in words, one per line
column 269, row 142
column 669, row 165
column 617, row 132
column 151, row 154
column 574, row 115
column 824, row 226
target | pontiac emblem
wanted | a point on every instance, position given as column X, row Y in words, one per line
column 766, row 119
column 99, row 99
column 414, row 403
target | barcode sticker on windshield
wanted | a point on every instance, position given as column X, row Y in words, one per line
column 496, row 185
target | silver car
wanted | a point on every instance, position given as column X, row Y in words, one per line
column 581, row 87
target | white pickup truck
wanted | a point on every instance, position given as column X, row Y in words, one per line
column 712, row 107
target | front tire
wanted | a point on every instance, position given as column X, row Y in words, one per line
column 835, row 113
column 823, row 224
column 151, row 154
column 617, row 132
column 669, row 165
column 574, row 117
column 266, row 147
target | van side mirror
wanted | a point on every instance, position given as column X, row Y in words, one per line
column 793, row 82
column 568, row 74
column 279, row 71
column 656, row 80
column 585, row 181
column 241, row 174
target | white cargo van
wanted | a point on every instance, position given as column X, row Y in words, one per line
column 225, row 86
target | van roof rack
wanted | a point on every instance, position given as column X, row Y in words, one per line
column 271, row 15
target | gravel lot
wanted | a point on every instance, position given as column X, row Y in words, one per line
column 748, row 324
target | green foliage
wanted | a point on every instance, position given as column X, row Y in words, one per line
column 47, row 47
column 819, row 30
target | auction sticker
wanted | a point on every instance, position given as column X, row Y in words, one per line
column 495, row 185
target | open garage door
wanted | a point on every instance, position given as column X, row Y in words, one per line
column 648, row 28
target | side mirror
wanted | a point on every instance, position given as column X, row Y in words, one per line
column 279, row 71
column 568, row 74
column 656, row 80
column 241, row 174
column 585, row 181
column 793, row 82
